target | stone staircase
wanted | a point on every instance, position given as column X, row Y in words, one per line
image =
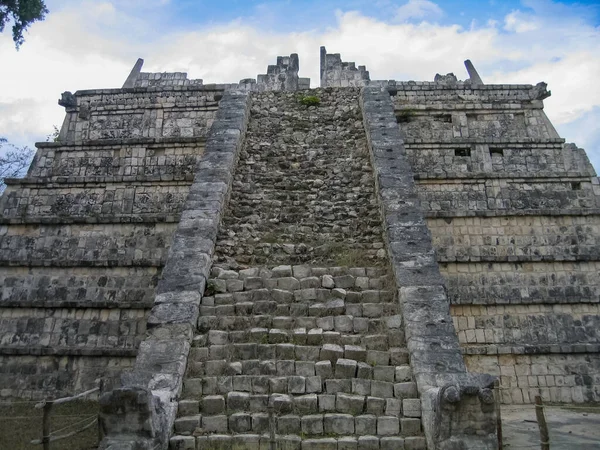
column 321, row 348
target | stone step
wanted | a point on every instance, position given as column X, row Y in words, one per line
column 299, row 272
column 310, row 424
column 243, row 291
column 290, row 289
column 395, row 356
column 225, row 318
column 295, row 385
column 342, row 368
column 342, row 330
column 247, row 441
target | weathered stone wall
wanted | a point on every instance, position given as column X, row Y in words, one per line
column 85, row 245
column 99, row 202
column 167, row 160
column 513, row 158
column 557, row 378
column 460, row 197
column 513, row 212
column 101, row 287
column 533, row 282
column 338, row 73
column 177, row 111
column 516, row 238
column 304, row 190
column 34, row 377
column 90, row 227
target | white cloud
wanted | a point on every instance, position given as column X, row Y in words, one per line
column 519, row 23
column 94, row 45
column 419, row 9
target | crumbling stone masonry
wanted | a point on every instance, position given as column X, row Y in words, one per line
column 218, row 254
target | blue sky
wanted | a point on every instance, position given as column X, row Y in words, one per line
column 93, row 44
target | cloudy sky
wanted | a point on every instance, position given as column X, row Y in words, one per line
column 94, row 44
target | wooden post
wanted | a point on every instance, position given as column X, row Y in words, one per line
column 46, row 425
column 541, row 420
column 498, row 413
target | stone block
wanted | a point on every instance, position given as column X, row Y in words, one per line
column 314, row 336
column 391, row 443
column 415, row 443
column 411, row 407
column 343, row 324
column 305, row 368
column 325, row 323
column 319, row 444
column 286, row 368
column 344, row 281
column 331, row 352
column 278, row 385
column 238, row 401
column 314, row 385
column 384, row 373
column 307, row 353
column 326, row 402
column 212, row 404
column 393, row 407
column 288, row 284
column 403, row 374
column 375, row 405
column 347, row 443
column 281, row 271
column 365, row 425
column 306, row 404
column 349, row 403
column 260, row 422
column 216, row 337
column 289, row 442
column 296, row 385
column 187, row 425
column 410, row 426
column 364, row 371
column 405, row 390
column 188, row 407
column 242, row 383
column 378, row 358
column 258, row 402
column 334, row 385
column 388, row 426
column 288, row 424
column 382, row 389
column 245, row 441
column 355, row 352
column 282, row 404
column 219, row 441
column 240, row 423
column 215, row 424
column 310, row 282
column 216, row 368
column 361, row 386
column 312, row 424
column 324, row 369
column 327, row 282
column 345, row 368
column 340, row 424
column 182, row 443
column 368, row 443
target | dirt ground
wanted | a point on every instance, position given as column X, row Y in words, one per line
column 20, row 423
column 576, row 428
